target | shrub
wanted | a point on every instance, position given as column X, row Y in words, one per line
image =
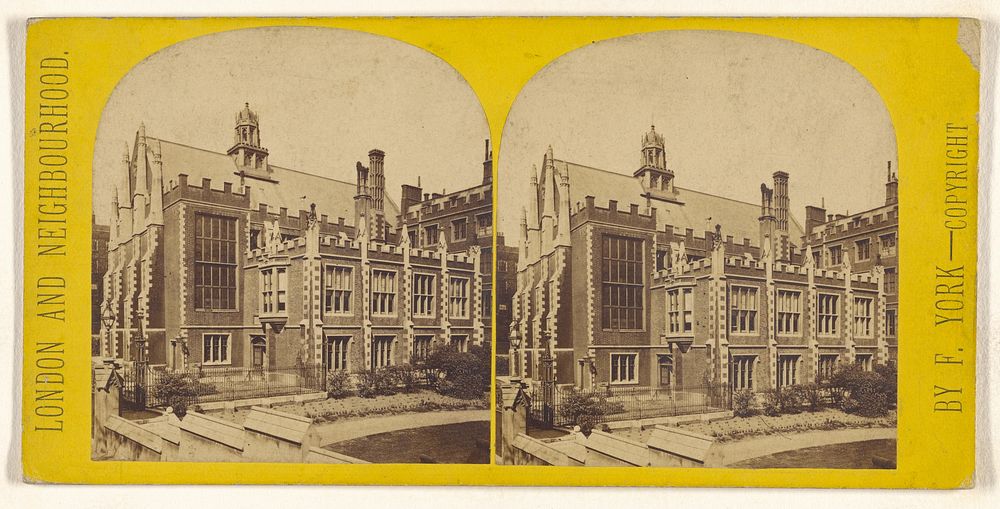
column 792, row 398
column 743, row 403
column 176, row 390
column 464, row 375
column 812, row 396
column 582, row 409
column 866, row 393
column 404, row 377
column 338, row 383
column 772, row 402
column 373, row 383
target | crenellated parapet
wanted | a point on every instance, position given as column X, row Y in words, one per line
column 633, row 216
column 298, row 223
column 437, row 205
column 700, row 245
column 181, row 189
column 847, row 226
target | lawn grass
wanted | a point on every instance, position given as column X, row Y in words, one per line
column 447, row 443
column 848, row 455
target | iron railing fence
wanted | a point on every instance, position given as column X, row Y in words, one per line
column 610, row 404
column 142, row 386
column 216, row 383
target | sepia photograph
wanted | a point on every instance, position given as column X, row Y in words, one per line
column 292, row 255
column 697, row 259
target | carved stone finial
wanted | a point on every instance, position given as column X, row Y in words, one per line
column 717, row 241
column 311, row 219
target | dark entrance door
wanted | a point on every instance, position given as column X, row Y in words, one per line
column 666, row 371
column 259, row 349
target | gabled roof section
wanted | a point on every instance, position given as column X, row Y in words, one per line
column 291, row 189
column 738, row 218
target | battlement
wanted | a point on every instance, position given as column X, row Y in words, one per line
column 634, row 217
column 265, row 213
column 705, row 241
column 181, row 189
column 343, row 241
column 479, row 196
column 746, row 262
column 858, row 223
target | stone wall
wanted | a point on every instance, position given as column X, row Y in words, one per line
column 266, row 436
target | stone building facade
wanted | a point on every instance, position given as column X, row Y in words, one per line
column 100, row 234
column 636, row 281
column 506, row 285
column 462, row 220
column 209, row 268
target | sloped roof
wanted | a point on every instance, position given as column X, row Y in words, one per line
column 293, row 189
column 738, row 218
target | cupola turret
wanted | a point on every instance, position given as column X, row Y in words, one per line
column 247, row 152
column 653, row 171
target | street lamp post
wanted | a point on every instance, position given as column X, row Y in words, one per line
column 515, row 353
column 108, row 320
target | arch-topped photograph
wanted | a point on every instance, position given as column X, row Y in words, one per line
column 296, row 236
column 705, row 232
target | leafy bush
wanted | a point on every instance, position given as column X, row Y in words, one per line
column 771, row 403
column 812, row 396
column 464, row 375
column 377, row 382
column 404, row 377
column 338, row 383
column 866, row 393
column 743, row 403
column 792, row 399
column 176, row 390
column 582, row 409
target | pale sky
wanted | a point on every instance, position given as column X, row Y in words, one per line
column 325, row 98
column 733, row 109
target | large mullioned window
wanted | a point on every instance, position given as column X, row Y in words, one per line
column 863, row 317
column 458, row 297
column 335, row 352
column 680, row 310
column 890, row 281
column 423, row 295
column 274, row 290
column 788, row 367
column 382, row 351
column 827, row 314
column 623, row 368
column 621, row 283
column 215, row 349
column 339, row 289
column 789, row 315
column 890, row 322
column 741, row 372
column 383, row 292
column 422, row 347
column 827, row 365
column 214, row 262
column 743, row 309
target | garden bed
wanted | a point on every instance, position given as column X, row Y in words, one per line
column 330, row 410
column 828, row 419
column 738, row 428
